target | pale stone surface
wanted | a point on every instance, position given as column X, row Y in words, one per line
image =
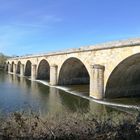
column 33, row 72
column 14, row 68
column 21, row 69
column 97, row 81
column 110, row 55
column 9, row 68
column 53, row 75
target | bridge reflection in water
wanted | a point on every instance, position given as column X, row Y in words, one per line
column 21, row 94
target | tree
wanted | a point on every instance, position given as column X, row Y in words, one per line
column 3, row 58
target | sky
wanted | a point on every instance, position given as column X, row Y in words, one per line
column 41, row 26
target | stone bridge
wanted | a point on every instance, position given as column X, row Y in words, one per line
column 111, row 69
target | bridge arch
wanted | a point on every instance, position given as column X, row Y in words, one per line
column 18, row 67
column 43, row 70
column 73, row 72
column 28, row 68
column 124, row 80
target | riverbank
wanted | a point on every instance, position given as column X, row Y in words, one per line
column 71, row 126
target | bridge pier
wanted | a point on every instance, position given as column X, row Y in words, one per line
column 14, row 68
column 53, row 75
column 33, row 72
column 5, row 67
column 9, row 68
column 97, row 81
column 21, row 69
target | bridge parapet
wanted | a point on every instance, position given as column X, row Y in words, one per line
column 101, row 46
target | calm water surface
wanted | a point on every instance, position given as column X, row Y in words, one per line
column 18, row 93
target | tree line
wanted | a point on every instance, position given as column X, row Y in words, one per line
column 3, row 59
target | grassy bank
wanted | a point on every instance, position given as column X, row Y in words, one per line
column 79, row 126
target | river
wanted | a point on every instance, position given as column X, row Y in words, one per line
column 19, row 93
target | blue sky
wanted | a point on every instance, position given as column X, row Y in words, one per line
column 38, row 26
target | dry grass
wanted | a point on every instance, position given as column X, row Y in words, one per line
column 69, row 126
